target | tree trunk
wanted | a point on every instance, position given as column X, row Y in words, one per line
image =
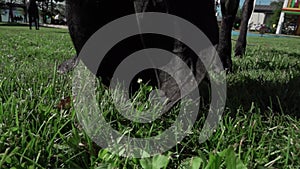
column 25, row 11
column 45, row 13
column 240, row 47
column 52, row 11
column 10, row 13
column 229, row 9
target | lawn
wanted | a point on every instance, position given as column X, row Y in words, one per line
column 39, row 128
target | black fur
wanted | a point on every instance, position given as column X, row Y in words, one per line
column 84, row 17
column 229, row 10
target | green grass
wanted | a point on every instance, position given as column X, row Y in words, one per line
column 258, row 130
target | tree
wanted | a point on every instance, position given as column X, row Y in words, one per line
column 240, row 47
column 239, row 12
column 11, row 5
column 25, row 11
column 277, row 5
column 10, row 13
column 48, row 8
column 2, row 4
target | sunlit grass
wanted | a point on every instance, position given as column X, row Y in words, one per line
column 39, row 127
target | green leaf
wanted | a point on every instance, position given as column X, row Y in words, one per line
column 214, row 161
column 196, row 162
column 146, row 163
column 8, row 160
column 13, row 129
column 192, row 163
column 240, row 164
column 156, row 162
column 160, row 161
column 232, row 161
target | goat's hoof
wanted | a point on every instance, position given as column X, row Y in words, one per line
column 67, row 65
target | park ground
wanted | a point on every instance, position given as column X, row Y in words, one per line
column 260, row 127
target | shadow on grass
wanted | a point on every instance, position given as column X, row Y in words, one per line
column 58, row 31
column 277, row 97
